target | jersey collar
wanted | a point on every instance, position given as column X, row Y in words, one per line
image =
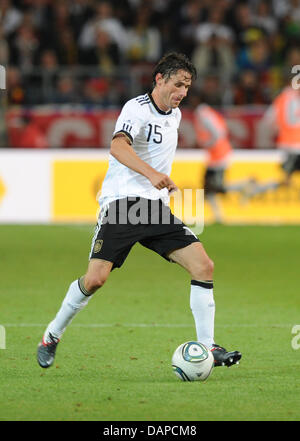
column 157, row 108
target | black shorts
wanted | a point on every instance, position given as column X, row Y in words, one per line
column 291, row 163
column 214, row 181
column 128, row 221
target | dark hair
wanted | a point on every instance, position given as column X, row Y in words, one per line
column 171, row 63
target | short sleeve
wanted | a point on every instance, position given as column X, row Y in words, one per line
column 178, row 116
column 130, row 120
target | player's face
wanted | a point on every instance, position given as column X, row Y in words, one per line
column 172, row 90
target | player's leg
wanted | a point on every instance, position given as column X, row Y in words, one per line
column 288, row 166
column 200, row 267
column 77, row 297
column 212, row 198
column 96, row 275
column 214, row 185
column 110, row 246
column 173, row 240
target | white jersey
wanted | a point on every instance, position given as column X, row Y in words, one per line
column 154, row 135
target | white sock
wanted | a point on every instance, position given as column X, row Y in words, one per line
column 203, row 308
column 73, row 302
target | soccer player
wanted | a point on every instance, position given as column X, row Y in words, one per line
column 138, row 181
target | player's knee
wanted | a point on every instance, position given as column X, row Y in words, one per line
column 93, row 282
column 210, row 268
column 203, row 270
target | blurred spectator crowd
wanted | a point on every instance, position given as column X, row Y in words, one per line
column 98, row 52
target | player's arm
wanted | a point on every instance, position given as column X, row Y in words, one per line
column 122, row 150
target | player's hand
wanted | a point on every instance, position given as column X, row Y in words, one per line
column 161, row 180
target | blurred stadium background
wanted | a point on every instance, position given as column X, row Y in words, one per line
column 71, row 65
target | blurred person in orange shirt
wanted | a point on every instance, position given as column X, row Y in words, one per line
column 282, row 119
column 282, row 123
column 213, row 136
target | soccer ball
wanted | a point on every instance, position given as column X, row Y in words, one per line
column 192, row 361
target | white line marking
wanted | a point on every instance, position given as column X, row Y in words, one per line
column 148, row 325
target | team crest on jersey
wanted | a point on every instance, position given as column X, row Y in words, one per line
column 98, row 246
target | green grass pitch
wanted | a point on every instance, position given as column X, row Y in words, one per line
column 113, row 363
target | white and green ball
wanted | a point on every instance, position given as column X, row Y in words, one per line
column 192, row 361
